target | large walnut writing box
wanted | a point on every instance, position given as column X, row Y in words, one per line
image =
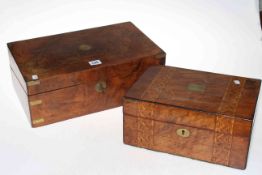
column 195, row 114
column 67, row 75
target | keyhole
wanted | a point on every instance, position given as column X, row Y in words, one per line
column 183, row 132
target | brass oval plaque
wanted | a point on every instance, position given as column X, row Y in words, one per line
column 84, row 47
column 100, row 86
column 183, row 132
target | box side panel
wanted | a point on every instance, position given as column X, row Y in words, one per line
column 214, row 138
column 239, row 152
column 198, row 119
column 100, row 89
column 130, row 130
column 197, row 144
column 22, row 96
column 54, row 106
column 162, row 136
column 240, row 143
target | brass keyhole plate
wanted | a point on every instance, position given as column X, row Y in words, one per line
column 183, row 132
column 100, row 86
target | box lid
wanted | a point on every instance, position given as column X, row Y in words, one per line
column 46, row 59
column 196, row 90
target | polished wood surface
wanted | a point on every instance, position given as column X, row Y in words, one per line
column 215, row 109
column 67, row 85
column 53, row 57
column 198, row 90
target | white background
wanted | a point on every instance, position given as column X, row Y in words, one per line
column 220, row 36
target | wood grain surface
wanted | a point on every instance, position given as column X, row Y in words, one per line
column 67, row 85
column 216, row 111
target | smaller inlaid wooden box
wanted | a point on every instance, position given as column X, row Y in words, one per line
column 195, row 114
column 67, row 75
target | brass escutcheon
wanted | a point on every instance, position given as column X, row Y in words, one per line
column 100, row 86
column 84, row 47
column 183, row 132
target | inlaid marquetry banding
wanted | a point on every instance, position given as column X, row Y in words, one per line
column 224, row 125
column 222, row 140
column 146, row 126
column 161, row 80
column 232, row 96
column 145, row 132
column 146, row 110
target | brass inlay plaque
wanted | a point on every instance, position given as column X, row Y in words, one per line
column 35, row 102
column 100, row 86
column 37, row 121
column 84, row 47
column 33, row 83
column 196, row 87
column 183, row 132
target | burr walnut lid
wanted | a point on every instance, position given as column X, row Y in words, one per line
column 197, row 90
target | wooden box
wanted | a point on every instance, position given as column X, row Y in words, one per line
column 195, row 114
column 67, row 75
